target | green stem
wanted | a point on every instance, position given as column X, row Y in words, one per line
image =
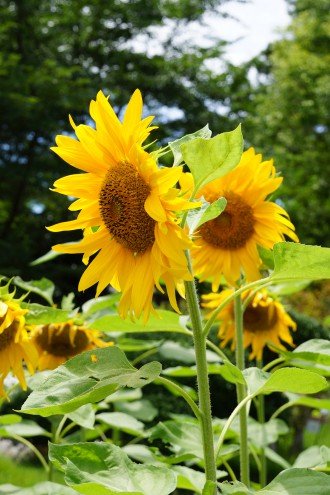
column 33, row 448
column 216, row 349
column 273, row 363
column 230, row 420
column 281, row 409
column 202, row 380
column 183, row 394
column 241, row 393
column 145, row 354
column 261, row 419
column 229, row 469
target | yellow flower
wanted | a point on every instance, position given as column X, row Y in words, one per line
column 128, row 209
column 58, row 342
column 228, row 244
column 264, row 320
column 15, row 346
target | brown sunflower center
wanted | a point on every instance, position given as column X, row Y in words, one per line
column 121, row 201
column 8, row 335
column 260, row 318
column 56, row 340
column 233, row 228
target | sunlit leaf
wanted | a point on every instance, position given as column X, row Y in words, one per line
column 87, row 378
column 300, row 262
column 209, row 159
column 294, row 380
column 43, row 315
column 205, row 213
column 24, row 428
column 43, row 488
column 298, row 482
column 316, row 456
column 104, row 469
column 84, row 416
column 204, row 133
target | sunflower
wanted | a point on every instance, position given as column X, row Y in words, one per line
column 15, row 346
column 265, row 320
column 228, row 244
column 58, row 342
column 128, row 209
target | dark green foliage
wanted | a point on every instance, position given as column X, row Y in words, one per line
column 54, row 57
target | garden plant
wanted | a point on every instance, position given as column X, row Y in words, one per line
column 205, row 238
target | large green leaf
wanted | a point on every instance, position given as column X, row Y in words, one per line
column 87, row 378
column 284, row 380
column 123, row 422
column 204, row 133
column 43, row 315
column 44, row 488
column 209, row 159
column 143, row 409
column 300, row 262
column 205, row 213
column 43, row 287
column 288, row 482
column 316, row 456
column 313, row 354
column 168, row 322
column 104, row 469
column 294, row 380
column 84, row 416
column 24, row 428
column 183, row 438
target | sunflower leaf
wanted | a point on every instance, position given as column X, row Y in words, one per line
column 87, row 378
column 43, row 287
column 209, row 159
column 293, row 380
column 43, row 488
column 300, row 262
column 204, row 133
column 207, row 212
column 106, row 470
column 43, row 315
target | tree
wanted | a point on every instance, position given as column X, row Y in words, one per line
column 291, row 119
column 55, row 56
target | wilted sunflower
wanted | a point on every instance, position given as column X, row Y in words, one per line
column 264, row 320
column 58, row 342
column 128, row 208
column 15, row 346
column 228, row 244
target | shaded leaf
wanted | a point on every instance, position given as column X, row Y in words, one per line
column 205, row 213
column 105, row 469
column 44, row 488
column 43, row 315
column 87, row 378
column 43, row 287
column 122, row 421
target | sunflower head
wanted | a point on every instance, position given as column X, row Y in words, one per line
column 15, row 345
column 265, row 321
column 58, row 342
column 228, row 245
column 128, row 209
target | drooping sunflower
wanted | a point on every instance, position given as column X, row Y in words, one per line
column 227, row 245
column 58, row 342
column 264, row 320
column 128, row 209
column 15, row 345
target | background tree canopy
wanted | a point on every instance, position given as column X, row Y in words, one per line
column 56, row 54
